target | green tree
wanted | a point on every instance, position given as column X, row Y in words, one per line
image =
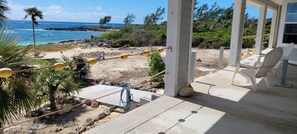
column 80, row 70
column 15, row 91
column 156, row 65
column 50, row 82
column 104, row 20
column 200, row 13
column 129, row 19
column 3, row 10
column 227, row 13
column 153, row 18
column 34, row 13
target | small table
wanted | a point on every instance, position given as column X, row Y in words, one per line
column 292, row 56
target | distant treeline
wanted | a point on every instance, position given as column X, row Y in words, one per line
column 211, row 29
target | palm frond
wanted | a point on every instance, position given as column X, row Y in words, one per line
column 11, row 55
column 8, row 111
column 22, row 94
column 3, row 11
column 15, row 94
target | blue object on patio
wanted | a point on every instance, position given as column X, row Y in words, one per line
column 128, row 96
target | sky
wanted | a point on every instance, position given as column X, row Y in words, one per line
column 93, row 10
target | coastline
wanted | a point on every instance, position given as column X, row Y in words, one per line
column 87, row 28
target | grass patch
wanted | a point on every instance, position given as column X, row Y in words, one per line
column 52, row 48
column 42, row 62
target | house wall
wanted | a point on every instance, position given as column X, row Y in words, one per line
column 282, row 23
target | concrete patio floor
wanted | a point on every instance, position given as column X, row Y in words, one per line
column 217, row 107
column 110, row 95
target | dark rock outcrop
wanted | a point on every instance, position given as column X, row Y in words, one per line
column 85, row 28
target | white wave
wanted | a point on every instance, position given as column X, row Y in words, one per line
column 30, row 29
column 47, row 35
column 10, row 31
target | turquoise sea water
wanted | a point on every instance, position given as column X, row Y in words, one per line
column 23, row 29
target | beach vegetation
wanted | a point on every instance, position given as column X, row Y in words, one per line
column 16, row 96
column 156, row 65
column 50, row 82
column 53, row 47
column 34, row 14
column 129, row 19
column 211, row 29
column 3, row 11
column 41, row 62
column 153, row 18
column 104, row 20
column 80, row 71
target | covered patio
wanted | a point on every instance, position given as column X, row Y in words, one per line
column 217, row 106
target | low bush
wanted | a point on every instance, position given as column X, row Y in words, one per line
column 122, row 42
column 112, row 35
column 156, row 65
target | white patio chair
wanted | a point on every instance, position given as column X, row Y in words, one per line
column 252, row 72
column 286, row 52
column 276, row 69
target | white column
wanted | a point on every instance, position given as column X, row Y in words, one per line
column 277, row 23
column 261, row 28
column 179, row 32
column 272, row 30
column 282, row 21
column 237, row 32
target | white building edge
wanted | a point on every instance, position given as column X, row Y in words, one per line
column 179, row 35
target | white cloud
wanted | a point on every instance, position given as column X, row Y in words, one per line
column 62, row 13
column 98, row 8
column 16, row 11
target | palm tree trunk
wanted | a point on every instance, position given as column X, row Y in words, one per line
column 33, row 26
column 52, row 97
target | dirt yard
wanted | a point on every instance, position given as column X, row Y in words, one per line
column 75, row 121
column 134, row 69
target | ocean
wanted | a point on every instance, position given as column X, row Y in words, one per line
column 23, row 29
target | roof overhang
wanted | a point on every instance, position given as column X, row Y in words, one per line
column 272, row 4
column 279, row 2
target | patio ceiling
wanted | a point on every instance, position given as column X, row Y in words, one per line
column 279, row 2
column 272, row 4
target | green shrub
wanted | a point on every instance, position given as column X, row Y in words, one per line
column 80, row 71
column 122, row 42
column 128, row 29
column 112, row 35
column 212, row 39
column 156, row 65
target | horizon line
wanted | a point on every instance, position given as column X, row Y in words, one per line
column 63, row 21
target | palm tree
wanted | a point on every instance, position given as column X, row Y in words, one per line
column 15, row 93
column 3, row 10
column 34, row 13
column 50, row 82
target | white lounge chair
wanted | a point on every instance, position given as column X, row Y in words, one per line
column 286, row 52
column 252, row 72
column 276, row 69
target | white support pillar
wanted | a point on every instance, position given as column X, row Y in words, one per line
column 179, row 32
column 273, row 29
column 260, row 29
column 273, row 39
column 237, row 31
